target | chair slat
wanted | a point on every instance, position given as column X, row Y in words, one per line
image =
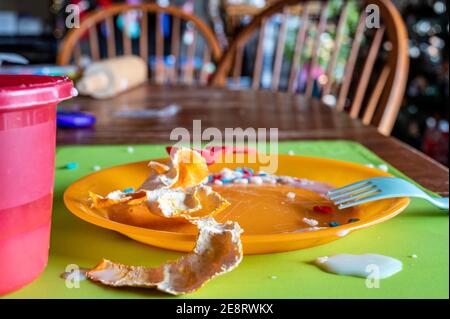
column 188, row 75
column 126, row 41
column 299, row 43
column 348, row 73
column 77, row 55
column 366, row 73
column 257, row 67
column 237, row 70
column 280, row 50
column 110, row 37
column 175, row 49
column 159, row 61
column 376, row 95
column 316, row 47
column 337, row 47
column 143, row 39
column 205, row 66
column 93, row 43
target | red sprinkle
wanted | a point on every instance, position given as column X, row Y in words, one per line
column 323, row 209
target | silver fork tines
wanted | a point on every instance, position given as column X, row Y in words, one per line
column 350, row 192
column 380, row 188
column 358, row 196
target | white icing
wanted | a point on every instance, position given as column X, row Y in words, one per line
column 310, row 222
column 256, row 180
column 116, row 195
column 291, row 195
column 343, row 232
column 241, row 181
column 314, row 228
column 360, row 265
column 170, row 201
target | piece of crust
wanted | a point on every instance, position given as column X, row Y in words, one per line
column 218, row 250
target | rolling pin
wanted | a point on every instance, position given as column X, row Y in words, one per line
column 108, row 78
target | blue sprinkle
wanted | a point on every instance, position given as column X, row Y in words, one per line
column 71, row 165
column 226, row 180
column 334, row 224
column 128, row 190
column 238, row 169
column 210, row 178
column 353, row 220
column 262, row 174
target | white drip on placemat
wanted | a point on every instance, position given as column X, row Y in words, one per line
column 360, row 265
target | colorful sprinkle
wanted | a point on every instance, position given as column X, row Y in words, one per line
column 128, row 190
column 353, row 220
column 71, row 165
column 240, row 181
column 323, row 209
column 290, row 195
column 226, row 180
column 256, row 180
column 334, row 224
column 310, row 222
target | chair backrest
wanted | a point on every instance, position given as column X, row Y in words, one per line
column 338, row 53
column 182, row 48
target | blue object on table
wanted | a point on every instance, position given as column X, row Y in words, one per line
column 71, row 165
column 66, row 119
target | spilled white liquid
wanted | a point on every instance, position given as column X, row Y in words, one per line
column 360, row 265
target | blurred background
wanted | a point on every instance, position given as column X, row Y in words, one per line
column 34, row 29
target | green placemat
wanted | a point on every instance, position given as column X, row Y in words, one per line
column 421, row 230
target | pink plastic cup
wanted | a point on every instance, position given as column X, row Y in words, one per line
column 27, row 155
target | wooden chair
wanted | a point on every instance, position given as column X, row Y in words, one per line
column 369, row 81
column 175, row 57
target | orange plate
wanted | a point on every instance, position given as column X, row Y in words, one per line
column 272, row 222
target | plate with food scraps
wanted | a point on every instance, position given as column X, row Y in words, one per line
column 278, row 212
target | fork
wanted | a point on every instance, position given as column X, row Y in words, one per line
column 380, row 188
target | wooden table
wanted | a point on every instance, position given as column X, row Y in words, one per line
column 295, row 118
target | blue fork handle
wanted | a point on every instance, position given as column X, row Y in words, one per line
column 442, row 203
